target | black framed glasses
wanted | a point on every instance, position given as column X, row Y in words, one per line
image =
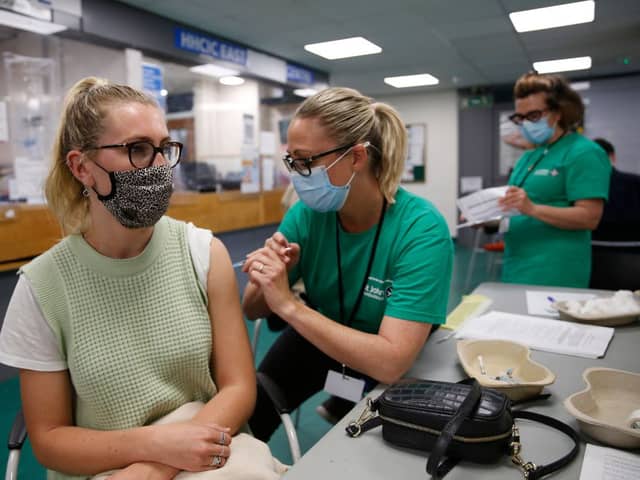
column 303, row 165
column 142, row 153
column 532, row 116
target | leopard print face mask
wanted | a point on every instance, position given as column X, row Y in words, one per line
column 139, row 198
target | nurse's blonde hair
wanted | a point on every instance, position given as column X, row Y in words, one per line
column 81, row 124
column 350, row 118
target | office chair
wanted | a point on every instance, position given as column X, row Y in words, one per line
column 494, row 255
column 615, row 265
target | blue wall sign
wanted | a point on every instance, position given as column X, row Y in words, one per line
column 198, row 43
column 153, row 82
column 297, row 74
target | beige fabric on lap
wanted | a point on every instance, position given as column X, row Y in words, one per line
column 250, row 458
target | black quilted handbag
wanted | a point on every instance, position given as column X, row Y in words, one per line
column 454, row 421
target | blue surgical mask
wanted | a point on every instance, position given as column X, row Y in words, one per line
column 316, row 190
column 538, row 132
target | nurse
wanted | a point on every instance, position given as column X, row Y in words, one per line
column 375, row 259
column 559, row 188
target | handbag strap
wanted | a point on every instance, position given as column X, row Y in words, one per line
column 435, row 466
column 532, row 471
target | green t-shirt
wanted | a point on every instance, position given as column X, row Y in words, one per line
column 411, row 270
column 573, row 168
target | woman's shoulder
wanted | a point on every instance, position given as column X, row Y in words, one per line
column 46, row 260
column 412, row 209
column 580, row 148
column 578, row 142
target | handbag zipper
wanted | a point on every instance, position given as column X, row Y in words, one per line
column 459, row 438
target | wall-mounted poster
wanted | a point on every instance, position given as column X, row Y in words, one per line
column 416, row 162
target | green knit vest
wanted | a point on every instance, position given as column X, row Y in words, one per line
column 135, row 332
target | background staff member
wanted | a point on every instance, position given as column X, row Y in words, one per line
column 559, row 188
column 376, row 260
column 621, row 216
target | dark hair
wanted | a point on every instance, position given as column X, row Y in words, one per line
column 560, row 96
column 606, row 145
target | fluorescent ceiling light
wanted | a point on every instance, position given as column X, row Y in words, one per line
column 552, row 17
column 405, row 81
column 15, row 20
column 231, row 80
column 213, row 70
column 577, row 86
column 563, row 65
column 347, row 47
column 304, row 92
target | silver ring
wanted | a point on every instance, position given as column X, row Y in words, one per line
column 216, row 461
column 223, row 437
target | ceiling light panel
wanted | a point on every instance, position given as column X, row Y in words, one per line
column 405, row 81
column 305, row 92
column 231, row 80
column 345, row 48
column 212, row 70
column 553, row 17
column 563, row 65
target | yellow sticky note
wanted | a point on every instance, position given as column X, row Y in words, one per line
column 470, row 306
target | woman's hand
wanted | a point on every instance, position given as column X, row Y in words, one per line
column 289, row 253
column 517, row 198
column 267, row 270
column 191, row 446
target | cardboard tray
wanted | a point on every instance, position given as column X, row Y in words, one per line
column 608, row 407
column 498, row 356
column 603, row 320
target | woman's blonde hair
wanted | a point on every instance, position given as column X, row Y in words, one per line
column 81, row 124
column 350, row 118
column 559, row 94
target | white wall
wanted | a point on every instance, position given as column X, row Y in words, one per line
column 219, row 127
column 439, row 111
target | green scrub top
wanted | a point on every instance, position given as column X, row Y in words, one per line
column 411, row 271
column 573, row 168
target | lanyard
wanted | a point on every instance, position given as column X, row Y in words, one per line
column 531, row 168
column 366, row 275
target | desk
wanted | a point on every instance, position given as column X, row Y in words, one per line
column 28, row 230
column 337, row 456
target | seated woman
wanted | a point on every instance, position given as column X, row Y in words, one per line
column 375, row 259
column 133, row 314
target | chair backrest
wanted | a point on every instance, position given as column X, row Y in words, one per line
column 615, row 267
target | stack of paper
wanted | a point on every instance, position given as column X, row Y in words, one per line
column 481, row 207
column 539, row 301
column 538, row 333
column 601, row 463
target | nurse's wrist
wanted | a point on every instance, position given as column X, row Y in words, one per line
column 287, row 310
column 532, row 210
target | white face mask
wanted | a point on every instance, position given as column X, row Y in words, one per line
column 316, row 190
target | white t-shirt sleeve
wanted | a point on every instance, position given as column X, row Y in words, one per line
column 26, row 340
column 199, row 240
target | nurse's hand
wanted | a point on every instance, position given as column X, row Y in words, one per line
column 268, row 271
column 289, row 253
column 517, row 198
